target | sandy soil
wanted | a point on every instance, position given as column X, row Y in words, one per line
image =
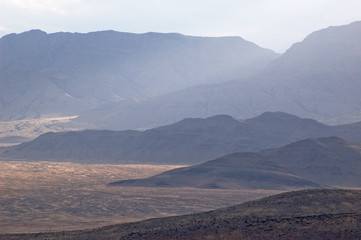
column 46, row 196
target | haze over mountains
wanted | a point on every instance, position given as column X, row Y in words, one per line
column 189, row 141
column 60, row 74
column 126, row 81
column 318, row 78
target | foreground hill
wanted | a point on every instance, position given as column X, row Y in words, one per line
column 189, row 141
column 51, row 75
column 305, row 164
column 308, row 214
column 318, row 78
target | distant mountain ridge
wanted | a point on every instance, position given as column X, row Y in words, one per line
column 189, row 141
column 59, row 74
column 317, row 78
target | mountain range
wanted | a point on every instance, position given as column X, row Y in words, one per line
column 120, row 81
column 317, row 78
column 307, row 214
column 189, row 141
column 60, row 74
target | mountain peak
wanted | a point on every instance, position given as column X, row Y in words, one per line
column 33, row 33
column 274, row 116
column 327, row 44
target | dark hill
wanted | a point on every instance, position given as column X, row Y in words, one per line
column 189, row 141
column 308, row 214
column 305, row 164
column 329, row 161
column 239, row 170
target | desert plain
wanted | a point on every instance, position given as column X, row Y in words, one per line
column 48, row 196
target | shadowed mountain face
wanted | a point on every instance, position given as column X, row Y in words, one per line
column 189, row 141
column 309, row 214
column 318, row 78
column 305, row 164
column 67, row 73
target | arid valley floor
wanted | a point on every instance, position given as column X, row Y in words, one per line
column 44, row 196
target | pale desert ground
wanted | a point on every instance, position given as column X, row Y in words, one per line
column 46, row 196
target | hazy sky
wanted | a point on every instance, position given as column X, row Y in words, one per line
column 274, row 24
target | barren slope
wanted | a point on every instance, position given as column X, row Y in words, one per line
column 309, row 214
